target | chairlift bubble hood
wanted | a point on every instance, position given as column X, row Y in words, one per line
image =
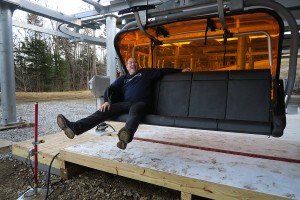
column 220, row 37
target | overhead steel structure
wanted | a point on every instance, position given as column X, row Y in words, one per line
column 136, row 13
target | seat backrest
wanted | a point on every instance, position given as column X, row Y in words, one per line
column 173, row 94
column 208, row 95
column 235, row 101
column 249, row 95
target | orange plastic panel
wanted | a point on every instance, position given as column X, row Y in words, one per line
column 253, row 45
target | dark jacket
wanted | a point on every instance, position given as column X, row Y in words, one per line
column 136, row 88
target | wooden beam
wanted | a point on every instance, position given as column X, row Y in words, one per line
column 16, row 125
column 183, row 184
column 186, row 196
column 53, row 143
column 70, row 170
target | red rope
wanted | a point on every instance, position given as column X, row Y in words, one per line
column 221, row 150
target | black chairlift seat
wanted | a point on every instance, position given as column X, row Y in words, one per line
column 235, row 101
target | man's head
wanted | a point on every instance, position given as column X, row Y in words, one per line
column 131, row 66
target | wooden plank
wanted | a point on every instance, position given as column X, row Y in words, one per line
column 71, row 170
column 5, row 143
column 196, row 172
column 16, row 125
column 186, row 196
column 53, row 143
column 197, row 187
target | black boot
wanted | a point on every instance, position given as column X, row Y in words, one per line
column 66, row 126
column 124, row 138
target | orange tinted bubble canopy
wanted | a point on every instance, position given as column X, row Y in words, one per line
column 254, row 43
column 235, row 66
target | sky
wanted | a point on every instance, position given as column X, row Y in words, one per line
column 68, row 7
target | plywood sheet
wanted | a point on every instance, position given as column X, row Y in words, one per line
column 286, row 147
column 210, row 174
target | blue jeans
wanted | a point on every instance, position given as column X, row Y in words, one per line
column 136, row 112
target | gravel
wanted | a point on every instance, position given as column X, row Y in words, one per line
column 47, row 113
column 91, row 184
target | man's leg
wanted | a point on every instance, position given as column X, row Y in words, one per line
column 136, row 112
column 76, row 128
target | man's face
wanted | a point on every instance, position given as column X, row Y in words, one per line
column 131, row 66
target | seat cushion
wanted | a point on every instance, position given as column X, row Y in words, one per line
column 261, row 128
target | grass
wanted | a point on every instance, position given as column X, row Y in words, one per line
column 51, row 96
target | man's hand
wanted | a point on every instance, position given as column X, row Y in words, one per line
column 104, row 107
column 186, row 70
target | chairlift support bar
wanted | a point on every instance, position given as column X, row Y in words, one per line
column 140, row 24
column 222, row 14
column 293, row 44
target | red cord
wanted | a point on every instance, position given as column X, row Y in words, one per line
column 221, row 150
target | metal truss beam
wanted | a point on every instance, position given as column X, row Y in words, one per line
column 164, row 7
column 77, row 37
column 65, row 33
column 40, row 29
column 44, row 12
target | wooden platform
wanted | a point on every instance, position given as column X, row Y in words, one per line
column 211, row 164
column 16, row 125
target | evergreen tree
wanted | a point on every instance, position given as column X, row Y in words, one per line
column 49, row 63
column 36, row 66
column 61, row 76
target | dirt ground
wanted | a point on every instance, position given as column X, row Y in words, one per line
column 16, row 177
